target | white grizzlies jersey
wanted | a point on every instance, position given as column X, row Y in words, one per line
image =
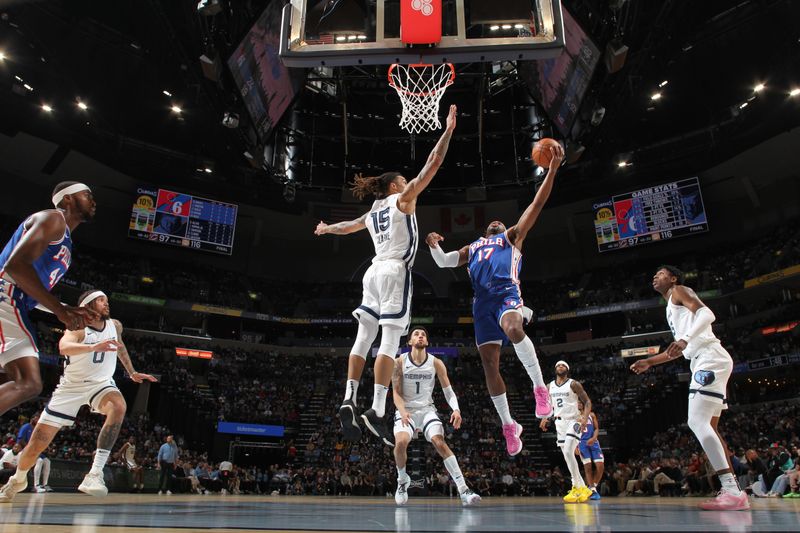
column 93, row 366
column 564, row 400
column 394, row 234
column 130, row 454
column 418, row 382
column 679, row 319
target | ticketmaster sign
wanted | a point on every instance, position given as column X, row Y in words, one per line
column 258, row 430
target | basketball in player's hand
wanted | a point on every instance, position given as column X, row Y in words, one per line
column 541, row 154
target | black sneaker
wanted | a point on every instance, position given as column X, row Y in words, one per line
column 349, row 421
column 377, row 425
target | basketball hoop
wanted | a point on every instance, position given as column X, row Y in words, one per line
column 420, row 87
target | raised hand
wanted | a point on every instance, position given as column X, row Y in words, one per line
column 556, row 157
column 433, row 239
column 451, row 118
column 321, row 229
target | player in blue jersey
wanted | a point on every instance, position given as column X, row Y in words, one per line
column 387, row 286
column 32, row 262
column 591, row 453
column 494, row 262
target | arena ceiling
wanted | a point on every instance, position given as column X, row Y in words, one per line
column 129, row 62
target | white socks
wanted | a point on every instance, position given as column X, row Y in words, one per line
column 729, row 484
column 19, row 475
column 568, row 450
column 501, row 404
column 401, row 473
column 527, row 356
column 100, row 458
column 451, row 464
column 379, row 399
column 351, row 390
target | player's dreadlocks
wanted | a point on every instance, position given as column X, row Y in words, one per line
column 376, row 185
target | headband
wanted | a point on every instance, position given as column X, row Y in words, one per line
column 90, row 297
column 563, row 363
column 72, row 189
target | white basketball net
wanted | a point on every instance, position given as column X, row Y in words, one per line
column 420, row 88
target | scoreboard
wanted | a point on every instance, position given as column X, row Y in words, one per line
column 179, row 219
column 657, row 213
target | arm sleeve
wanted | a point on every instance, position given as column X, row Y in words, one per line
column 444, row 260
column 450, row 396
column 703, row 318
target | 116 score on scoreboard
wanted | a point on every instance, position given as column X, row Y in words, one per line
column 179, row 219
column 657, row 213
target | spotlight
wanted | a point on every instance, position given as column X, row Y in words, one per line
column 208, row 8
column 506, row 26
column 623, row 164
column 176, row 109
column 794, row 92
column 230, row 120
column 518, row 26
column 46, row 108
column 166, row 93
column 2, row 56
column 207, row 170
column 82, row 106
column 27, row 86
column 743, row 105
column 341, row 38
column 758, row 88
column 663, row 83
column 494, row 27
column 351, row 37
column 655, row 96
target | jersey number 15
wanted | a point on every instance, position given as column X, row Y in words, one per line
column 380, row 220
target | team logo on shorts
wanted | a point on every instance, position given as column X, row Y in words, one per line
column 704, row 377
column 511, row 303
column 576, row 427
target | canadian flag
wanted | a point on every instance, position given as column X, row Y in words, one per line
column 463, row 218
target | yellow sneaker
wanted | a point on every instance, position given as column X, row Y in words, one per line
column 572, row 496
column 584, row 493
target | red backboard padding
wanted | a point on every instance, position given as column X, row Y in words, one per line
column 421, row 21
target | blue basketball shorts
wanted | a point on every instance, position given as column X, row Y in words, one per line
column 488, row 310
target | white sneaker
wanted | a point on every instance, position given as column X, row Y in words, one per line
column 47, row 488
column 401, row 494
column 93, row 485
column 39, row 490
column 169, row 493
column 224, row 492
column 469, row 498
column 160, row 493
column 11, row 489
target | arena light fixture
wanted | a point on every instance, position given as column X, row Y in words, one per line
column 506, row 26
column 655, row 96
column 207, row 170
column 27, row 87
column 743, row 105
column 494, row 27
column 663, row 83
column 176, row 109
column 623, row 164
column 46, row 108
column 794, row 92
column 2, row 56
column 166, row 93
column 82, row 105
column 758, row 88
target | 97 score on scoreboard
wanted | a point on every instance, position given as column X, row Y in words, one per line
column 657, row 213
column 178, row 219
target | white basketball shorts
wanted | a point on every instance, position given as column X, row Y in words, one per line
column 711, row 369
column 424, row 421
column 68, row 398
column 17, row 339
column 386, row 294
column 567, row 429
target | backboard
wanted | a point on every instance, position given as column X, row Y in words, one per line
column 368, row 32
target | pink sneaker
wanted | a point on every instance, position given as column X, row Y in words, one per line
column 512, row 432
column 544, row 409
column 726, row 501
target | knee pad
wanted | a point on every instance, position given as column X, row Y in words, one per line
column 390, row 340
column 367, row 331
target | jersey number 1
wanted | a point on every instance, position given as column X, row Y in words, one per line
column 417, row 387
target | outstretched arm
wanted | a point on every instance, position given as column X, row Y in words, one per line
column 342, row 228
column 407, row 202
column 519, row 231
column 125, row 358
column 446, row 260
column 449, row 393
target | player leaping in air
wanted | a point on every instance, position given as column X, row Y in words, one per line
column 494, row 262
column 387, row 287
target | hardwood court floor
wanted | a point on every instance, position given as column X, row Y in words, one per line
column 48, row 513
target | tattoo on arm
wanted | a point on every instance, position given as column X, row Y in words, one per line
column 397, row 378
column 125, row 359
column 108, row 436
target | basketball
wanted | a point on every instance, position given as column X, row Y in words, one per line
column 541, row 153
